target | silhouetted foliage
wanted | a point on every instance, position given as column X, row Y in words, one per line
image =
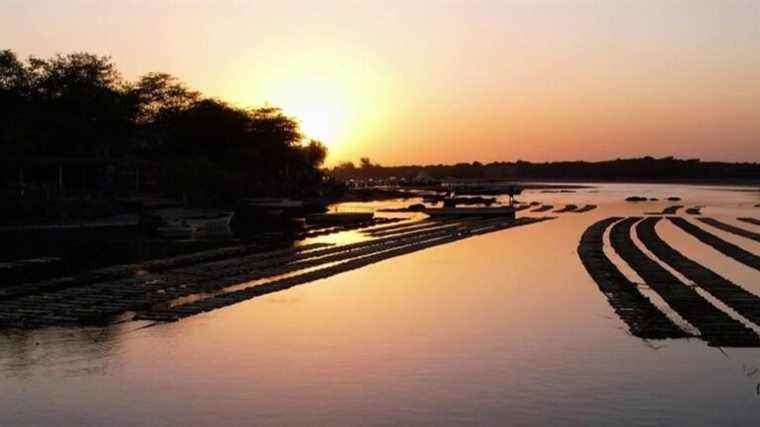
column 78, row 106
column 315, row 153
column 640, row 169
column 158, row 95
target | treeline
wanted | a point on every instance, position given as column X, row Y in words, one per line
column 77, row 108
column 637, row 169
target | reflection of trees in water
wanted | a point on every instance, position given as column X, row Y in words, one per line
column 75, row 351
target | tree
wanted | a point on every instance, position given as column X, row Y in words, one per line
column 366, row 163
column 159, row 95
column 14, row 105
column 315, row 153
column 270, row 125
column 344, row 171
column 14, row 77
column 78, row 105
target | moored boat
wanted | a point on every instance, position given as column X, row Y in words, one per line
column 339, row 217
column 185, row 222
column 271, row 206
column 176, row 231
column 502, row 211
column 451, row 200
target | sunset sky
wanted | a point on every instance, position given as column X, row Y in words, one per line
column 435, row 81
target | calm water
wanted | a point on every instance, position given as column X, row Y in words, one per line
column 504, row 328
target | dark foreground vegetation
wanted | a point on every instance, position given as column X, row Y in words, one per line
column 640, row 169
column 72, row 128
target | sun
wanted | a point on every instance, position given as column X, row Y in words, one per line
column 323, row 109
column 336, row 99
column 315, row 123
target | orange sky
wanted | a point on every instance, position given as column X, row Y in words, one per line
column 438, row 81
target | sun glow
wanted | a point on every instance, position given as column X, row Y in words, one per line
column 318, row 122
column 326, row 108
column 338, row 98
column 325, row 103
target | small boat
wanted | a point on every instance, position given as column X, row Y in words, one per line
column 502, row 211
column 451, row 200
column 339, row 217
column 210, row 221
column 176, row 231
column 273, row 206
column 183, row 222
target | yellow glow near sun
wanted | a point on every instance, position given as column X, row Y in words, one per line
column 324, row 103
column 336, row 99
column 316, row 122
column 325, row 109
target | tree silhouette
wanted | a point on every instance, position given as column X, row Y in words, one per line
column 79, row 106
column 315, row 153
column 159, row 95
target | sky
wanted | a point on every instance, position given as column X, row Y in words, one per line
column 439, row 81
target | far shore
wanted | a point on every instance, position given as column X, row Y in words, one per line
column 579, row 183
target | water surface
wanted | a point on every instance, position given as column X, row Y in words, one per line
column 503, row 328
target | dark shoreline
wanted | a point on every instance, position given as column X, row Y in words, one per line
column 587, row 182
